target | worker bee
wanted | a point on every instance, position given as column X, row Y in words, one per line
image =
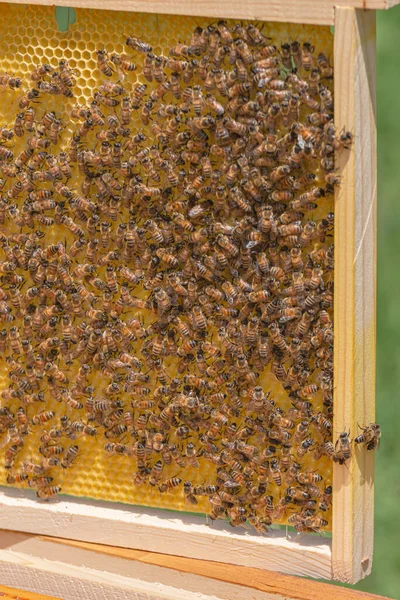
column 344, row 140
column 326, row 499
column 51, row 451
column 308, row 478
column 304, row 447
column 324, row 66
column 47, row 492
column 10, row 81
column 370, row 436
column 42, row 417
column 342, row 448
column 122, row 63
column 188, row 491
column 69, row 457
column 138, row 44
column 105, row 100
column 17, row 478
column 169, row 484
column 40, row 72
column 307, row 51
column 102, row 63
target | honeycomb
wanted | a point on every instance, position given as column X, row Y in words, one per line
column 29, row 37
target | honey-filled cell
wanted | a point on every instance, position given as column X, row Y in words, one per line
column 166, row 258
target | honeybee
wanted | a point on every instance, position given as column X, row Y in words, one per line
column 10, row 81
column 307, row 51
column 326, row 499
column 70, row 456
column 105, row 100
column 138, row 44
column 40, row 72
column 304, row 447
column 42, row 417
column 51, row 451
column 48, row 492
column 17, row 478
column 342, row 448
column 370, row 436
column 308, row 478
column 344, row 140
column 189, row 496
column 28, row 98
column 169, row 484
column 276, row 472
column 121, row 62
column 315, row 523
column 324, row 66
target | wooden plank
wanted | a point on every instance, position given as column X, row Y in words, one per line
column 78, row 576
column 286, row 586
column 320, row 12
column 355, row 296
column 8, row 593
column 165, row 531
column 75, row 573
column 75, row 570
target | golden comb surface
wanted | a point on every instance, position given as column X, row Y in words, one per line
column 30, row 38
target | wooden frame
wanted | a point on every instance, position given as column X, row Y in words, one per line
column 349, row 556
column 66, row 568
column 317, row 12
column 170, row 532
column 355, row 260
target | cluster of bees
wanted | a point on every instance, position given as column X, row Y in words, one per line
column 171, row 256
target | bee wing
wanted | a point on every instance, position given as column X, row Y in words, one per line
column 231, row 484
column 373, row 444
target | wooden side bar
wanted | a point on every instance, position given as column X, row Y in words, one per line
column 355, row 295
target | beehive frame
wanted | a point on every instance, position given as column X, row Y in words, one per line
column 348, row 556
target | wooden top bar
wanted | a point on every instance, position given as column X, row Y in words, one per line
column 318, row 12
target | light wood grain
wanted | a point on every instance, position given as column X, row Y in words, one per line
column 318, row 12
column 8, row 593
column 77, row 571
column 355, row 295
column 262, row 580
column 165, row 531
column 77, row 578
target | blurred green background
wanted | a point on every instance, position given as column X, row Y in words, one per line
column 385, row 577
